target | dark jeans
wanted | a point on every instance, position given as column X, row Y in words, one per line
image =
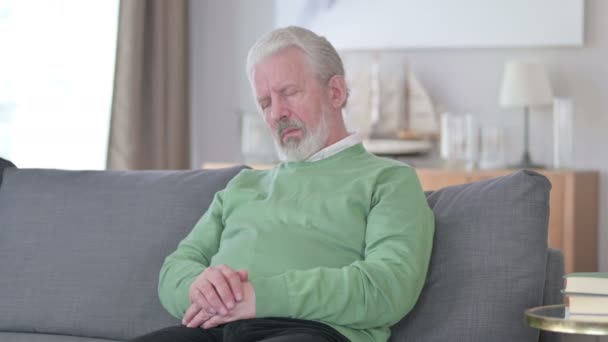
column 257, row 329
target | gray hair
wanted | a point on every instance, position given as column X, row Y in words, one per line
column 323, row 57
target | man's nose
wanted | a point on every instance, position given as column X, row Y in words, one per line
column 278, row 110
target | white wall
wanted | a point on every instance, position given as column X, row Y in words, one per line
column 221, row 34
column 458, row 79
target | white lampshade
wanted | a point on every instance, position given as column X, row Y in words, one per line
column 525, row 84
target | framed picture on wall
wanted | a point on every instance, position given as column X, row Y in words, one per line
column 406, row 24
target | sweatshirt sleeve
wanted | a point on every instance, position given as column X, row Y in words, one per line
column 376, row 291
column 190, row 259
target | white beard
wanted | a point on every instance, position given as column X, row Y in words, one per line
column 310, row 143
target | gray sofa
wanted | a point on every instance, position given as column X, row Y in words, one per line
column 80, row 253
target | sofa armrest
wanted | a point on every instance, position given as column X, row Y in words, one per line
column 552, row 292
column 554, row 278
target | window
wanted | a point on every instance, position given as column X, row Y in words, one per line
column 56, row 78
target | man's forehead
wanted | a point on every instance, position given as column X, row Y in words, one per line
column 278, row 80
column 287, row 67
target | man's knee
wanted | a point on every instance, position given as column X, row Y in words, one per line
column 176, row 334
column 298, row 337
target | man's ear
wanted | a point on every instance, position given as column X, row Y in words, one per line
column 337, row 91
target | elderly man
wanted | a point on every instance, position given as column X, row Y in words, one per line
column 333, row 244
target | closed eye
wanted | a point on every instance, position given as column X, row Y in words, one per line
column 264, row 103
column 289, row 91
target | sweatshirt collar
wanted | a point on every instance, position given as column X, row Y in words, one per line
column 337, row 147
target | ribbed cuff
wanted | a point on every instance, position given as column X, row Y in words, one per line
column 271, row 299
column 183, row 296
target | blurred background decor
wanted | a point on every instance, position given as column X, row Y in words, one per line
column 563, row 132
column 525, row 85
column 257, row 145
column 389, row 107
column 399, row 24
column 459, row 141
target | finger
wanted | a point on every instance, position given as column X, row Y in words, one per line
column 202, row 302
column 192, row 311
column 222, row 287
column 200, row 318
column 215, row 321
column 196, row 285
column 234, row 281
column 208, row 290
column 244, row 274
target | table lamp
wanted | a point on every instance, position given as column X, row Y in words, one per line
column 524, row 85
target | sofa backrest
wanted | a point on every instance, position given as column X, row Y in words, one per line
column 80, row 251
column 488, row 262
column 4, row 164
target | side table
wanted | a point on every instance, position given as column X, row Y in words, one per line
column 554, row 318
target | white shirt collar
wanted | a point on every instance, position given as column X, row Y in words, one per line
column 337, row 147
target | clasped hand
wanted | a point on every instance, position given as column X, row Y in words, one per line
column 219, row 295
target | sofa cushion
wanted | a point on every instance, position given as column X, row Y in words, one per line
column 488, row 262
column 28, row 337
column 80, row 251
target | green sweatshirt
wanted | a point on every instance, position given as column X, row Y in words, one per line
column 345, row 241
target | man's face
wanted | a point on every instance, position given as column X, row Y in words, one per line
column 294, row 104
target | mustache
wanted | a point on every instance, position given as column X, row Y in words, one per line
column 287, row 124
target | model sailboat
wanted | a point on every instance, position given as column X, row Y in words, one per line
column 421, row 119
column 415, row 124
